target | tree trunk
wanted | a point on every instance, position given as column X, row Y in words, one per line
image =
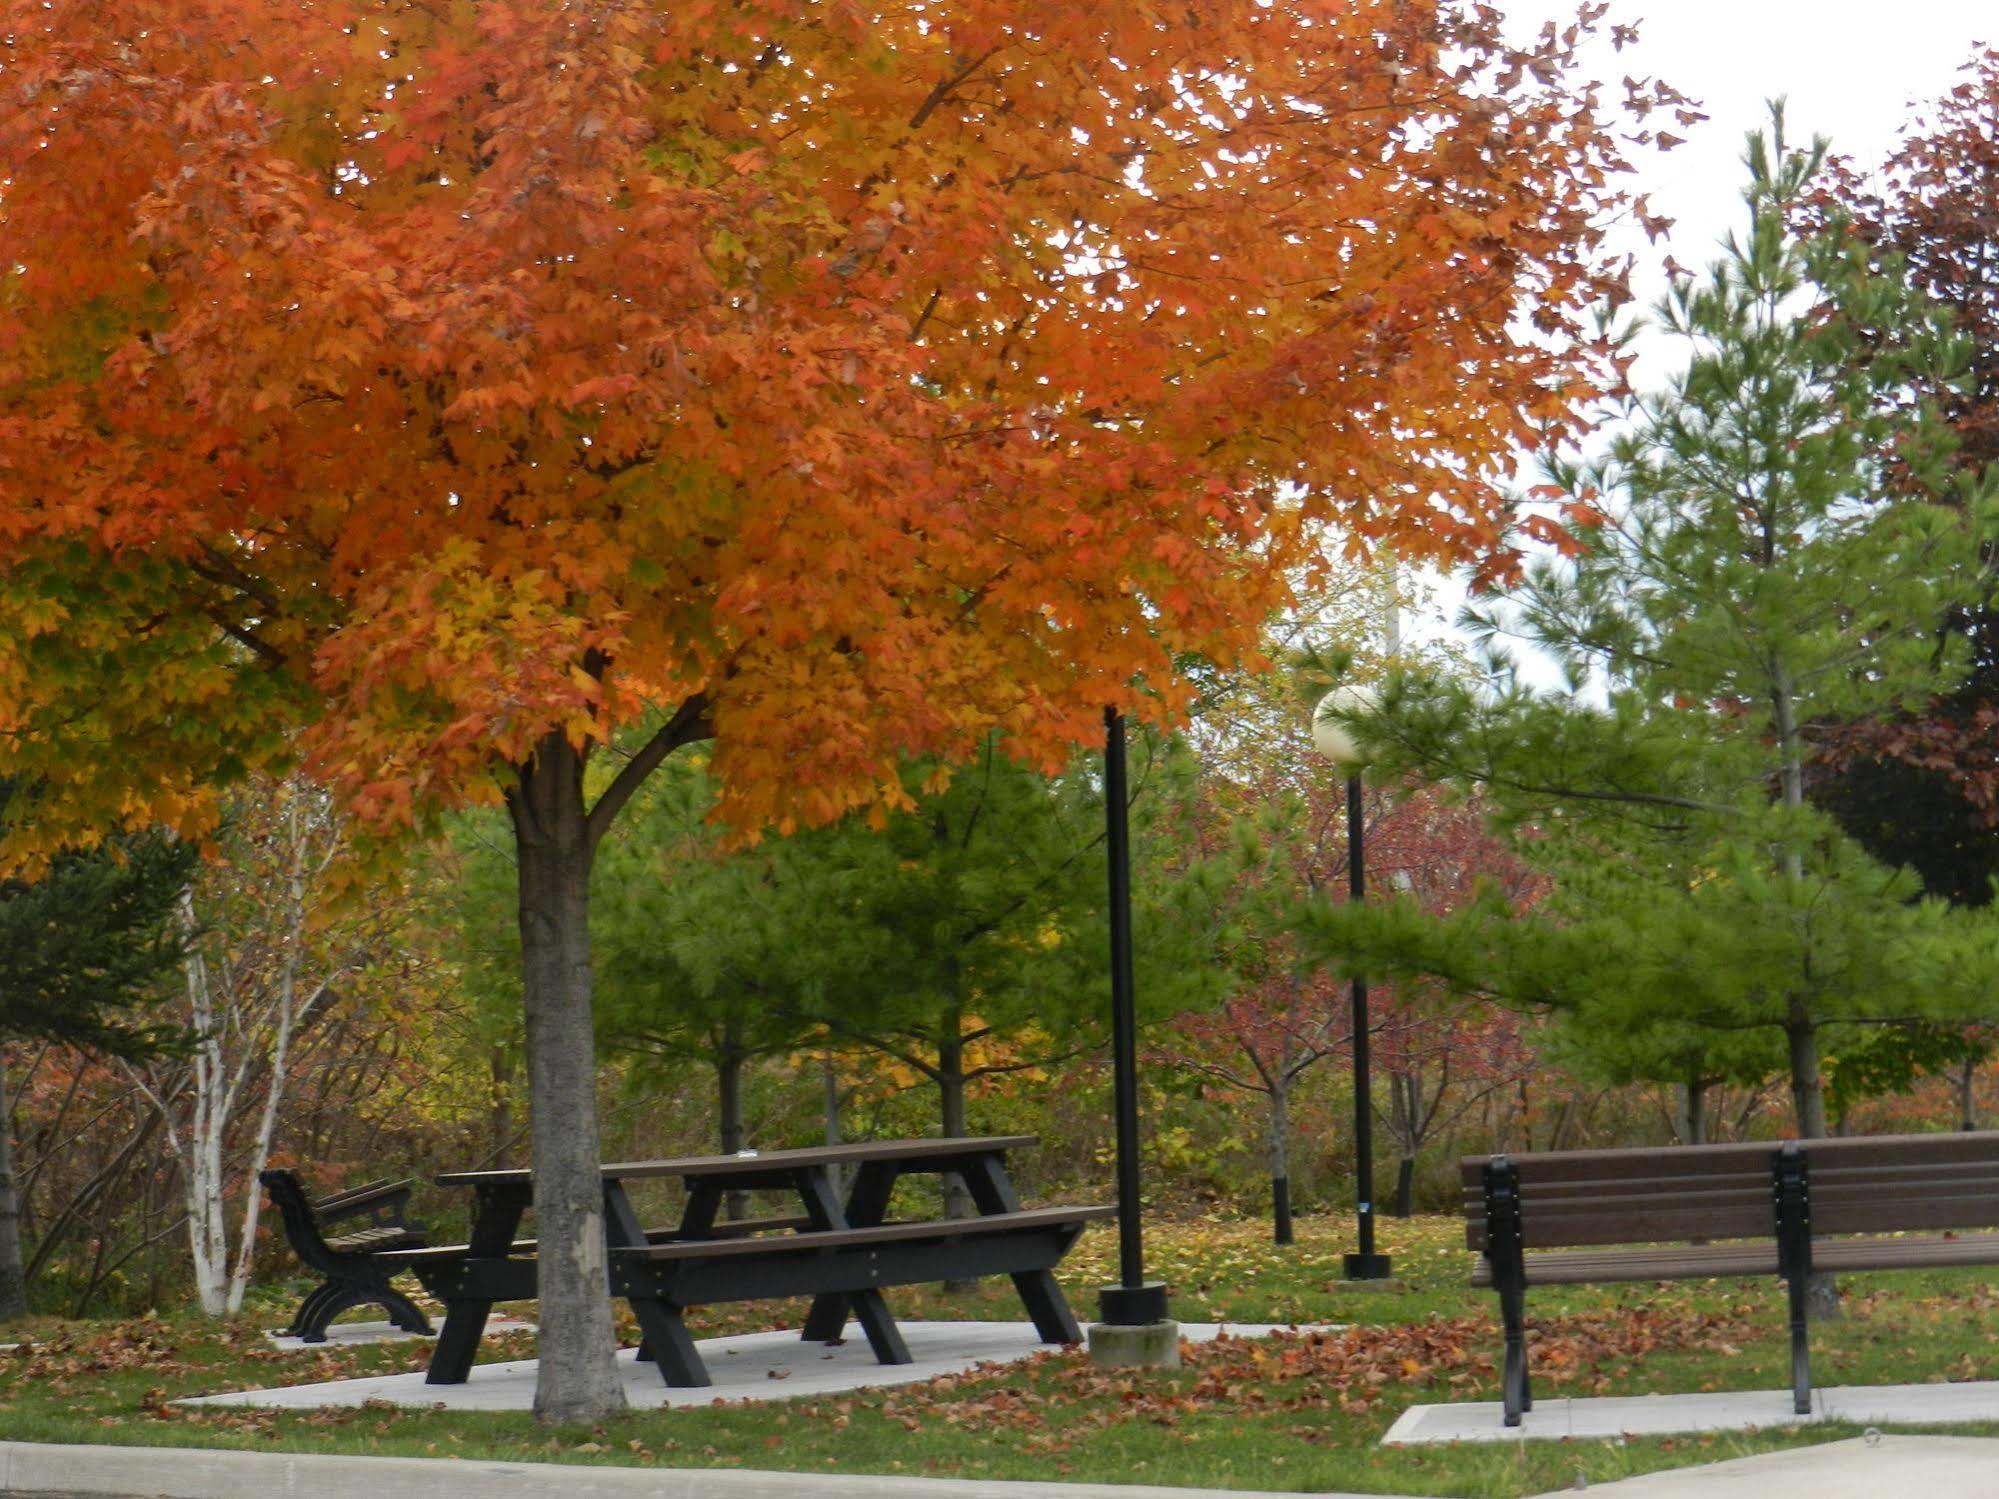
column 13, row 1281
column 1807, row 1087
column 951, row 1086
column 1801, row 1031
column 829, row 1108
column 1967, row 1100
column 1808, row 1107
column 578, row 1381
column 500, row 1095
column 729, row 1059
column 1690, row 1116
column 1406, row 1123
column 1280, row 1159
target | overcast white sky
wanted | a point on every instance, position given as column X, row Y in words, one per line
column 1848, row 71
column 1857, row 74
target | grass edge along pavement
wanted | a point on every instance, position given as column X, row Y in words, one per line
column 1285, row 1414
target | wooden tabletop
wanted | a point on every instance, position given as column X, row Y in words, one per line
column 765, row 1162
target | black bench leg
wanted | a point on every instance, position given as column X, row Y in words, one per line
column 1514, row 1389
column 1046, row 1305
column 309, row 1325
column 451, row 1359
column 403, row 1312
column 669, row 1345
column 1801, row 1357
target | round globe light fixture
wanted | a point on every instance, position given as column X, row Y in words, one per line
column 1330, row 734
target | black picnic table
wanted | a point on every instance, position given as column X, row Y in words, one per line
column 839, row 1252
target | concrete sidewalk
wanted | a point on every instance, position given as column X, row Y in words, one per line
column 1566, row 1417
column 1881, row 1467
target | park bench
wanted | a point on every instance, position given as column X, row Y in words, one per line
column 1735, row 1210
column 357, row 1265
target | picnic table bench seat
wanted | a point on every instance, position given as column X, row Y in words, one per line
column 1901, row 1201
column 660, row 1279
column 357, row 1264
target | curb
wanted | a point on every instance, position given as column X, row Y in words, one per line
column 45, row 1468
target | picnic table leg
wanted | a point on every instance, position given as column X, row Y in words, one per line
column 986, row 1179
column 669, row 1344
column 495, row 1217
column 464, row 1325
column 867, row 1205
column 828, row 1317
column 696, row 1219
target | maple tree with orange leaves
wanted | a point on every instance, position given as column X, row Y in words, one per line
column 440, row 392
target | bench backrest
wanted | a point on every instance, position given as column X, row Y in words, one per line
column 1638, row 1196
column 1916, row 1182
column 1674, row 1192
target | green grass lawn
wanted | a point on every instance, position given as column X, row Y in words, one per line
column 1302, row 1411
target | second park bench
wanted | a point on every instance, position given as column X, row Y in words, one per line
column 1546, row 1219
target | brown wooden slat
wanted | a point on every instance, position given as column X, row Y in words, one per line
column 1915, row 1214
column 1905, row 1254
column 1666, row 1162
column 856, row 1153
column 458, row 1251
column 1587, row 1267
column 1936, row 1149
column 884, row 1233
column 1670, row 1160
column 372, row 1240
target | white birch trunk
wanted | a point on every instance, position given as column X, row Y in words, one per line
column 245, row 1015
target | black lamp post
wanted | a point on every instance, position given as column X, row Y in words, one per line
column 1134, row 1301
column 1336, row 744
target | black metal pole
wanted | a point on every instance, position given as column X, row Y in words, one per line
column 1133, row 1301
column 1366, row 1265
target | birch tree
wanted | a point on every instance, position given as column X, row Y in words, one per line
column 263, row 964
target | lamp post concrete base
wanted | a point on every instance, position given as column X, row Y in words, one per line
column 1143, row 1345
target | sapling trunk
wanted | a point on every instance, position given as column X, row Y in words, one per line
column 13, row 1281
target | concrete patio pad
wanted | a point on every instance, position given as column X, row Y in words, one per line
column 1661, row 1415
column 354, row 1334
column 753, row 1366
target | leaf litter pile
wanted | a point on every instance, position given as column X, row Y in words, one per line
column 1349, row 1370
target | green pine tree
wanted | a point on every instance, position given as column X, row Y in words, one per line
column 1749, row 586
column 81, row 949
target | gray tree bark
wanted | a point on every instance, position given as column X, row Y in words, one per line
column 729, row 1059
column 577, row 1381
column 1278, row 1145
column 1690, row 1117
column 13, row 1280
